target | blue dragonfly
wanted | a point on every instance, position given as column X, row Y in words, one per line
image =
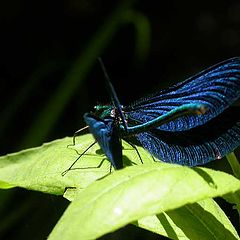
column 191, row 123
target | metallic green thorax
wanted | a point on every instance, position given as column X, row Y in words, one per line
column 103, row 110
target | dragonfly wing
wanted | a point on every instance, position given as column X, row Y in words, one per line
column 217, row 87
column 197, row 146
column 106, row 134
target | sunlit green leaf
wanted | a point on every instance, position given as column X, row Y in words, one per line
column 202, row 220
column 41, row 168
column 139, row 191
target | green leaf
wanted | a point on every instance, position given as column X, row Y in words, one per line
column 234, row 198
column 139, row 191
column 133, row 193
column 4, row 185
column 40, row 168
column 235, row 165
column 202, row 220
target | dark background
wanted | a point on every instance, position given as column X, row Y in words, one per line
column 41, row 43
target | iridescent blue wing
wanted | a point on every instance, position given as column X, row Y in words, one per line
column 106, row 134
column 195, row 146
column 217, row 87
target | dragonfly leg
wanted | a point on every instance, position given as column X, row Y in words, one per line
column 70, row 168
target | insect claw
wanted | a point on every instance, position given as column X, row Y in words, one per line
column 64, row 172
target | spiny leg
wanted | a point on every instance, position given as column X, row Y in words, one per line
column 64, row 172
column 135, row 147
column 77, row 133
column 110, row 171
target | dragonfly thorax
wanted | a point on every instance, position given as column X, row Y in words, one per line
column 107, row 111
